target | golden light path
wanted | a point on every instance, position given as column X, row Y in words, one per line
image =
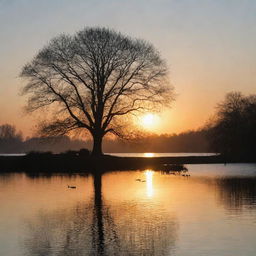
column 149, row 182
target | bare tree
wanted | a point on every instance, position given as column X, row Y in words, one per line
column 93, row 79
column 11, row 141
column 9, row 132
column 232, row 133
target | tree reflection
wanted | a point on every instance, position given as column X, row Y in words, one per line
column 237, row 192
column 98, row 236
column 100, row 228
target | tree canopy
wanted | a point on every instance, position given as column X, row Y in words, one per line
column 10, row 139
column 93, row 79
column 233, row 132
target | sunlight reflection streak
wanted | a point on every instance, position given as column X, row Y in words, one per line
column 149, row 182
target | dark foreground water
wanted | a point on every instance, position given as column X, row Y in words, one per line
column 213, row 213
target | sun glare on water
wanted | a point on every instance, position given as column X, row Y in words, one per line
column 149, row 182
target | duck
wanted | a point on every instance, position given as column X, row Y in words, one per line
column 140, row 180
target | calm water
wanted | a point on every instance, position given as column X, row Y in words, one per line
column 159, row 154
column 213, row 213
column 139, row 154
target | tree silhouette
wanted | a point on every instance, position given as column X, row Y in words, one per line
column 94, row 79
column 10, row 139
column 233, row 130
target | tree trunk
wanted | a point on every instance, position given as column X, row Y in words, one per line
column 97, row 144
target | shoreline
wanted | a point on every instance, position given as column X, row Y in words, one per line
column 70, row 164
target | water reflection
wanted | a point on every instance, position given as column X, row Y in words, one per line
column 236, row 193
column 149, row 181
column 130, row 213
column 101, row 227
column 98, row 226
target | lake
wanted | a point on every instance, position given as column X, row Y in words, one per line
column 212, row 212
column 159, row 154
column 139, row 154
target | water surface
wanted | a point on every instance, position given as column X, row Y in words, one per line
column 212, row 212
column 159, row 154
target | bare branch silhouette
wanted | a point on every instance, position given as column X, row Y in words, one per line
column 93, row 79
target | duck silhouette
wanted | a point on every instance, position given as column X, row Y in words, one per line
column 140, row 180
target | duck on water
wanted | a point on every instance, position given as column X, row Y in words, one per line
column 72, row 187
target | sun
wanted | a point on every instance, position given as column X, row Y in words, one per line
column 148, row 121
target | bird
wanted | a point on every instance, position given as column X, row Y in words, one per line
column 71, row 186
column 140, row 180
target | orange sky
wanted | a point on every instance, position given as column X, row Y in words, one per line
column 209, row 47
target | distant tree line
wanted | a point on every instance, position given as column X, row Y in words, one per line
column 12, row 141
column 190, row 141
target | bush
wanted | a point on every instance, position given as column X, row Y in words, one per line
column 84, row 152
column 71, row 153
column 39, row 153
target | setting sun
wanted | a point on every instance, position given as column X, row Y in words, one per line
column 149, row 121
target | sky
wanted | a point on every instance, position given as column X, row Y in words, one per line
column 209, row 45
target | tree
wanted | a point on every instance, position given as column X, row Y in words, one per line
column 10, row 140
column 9, row 132
column 233, row 131
column 94, row 79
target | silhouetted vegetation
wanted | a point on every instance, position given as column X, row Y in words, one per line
column 84, row 152
column 55, row 144
column 233, row 132
column 92, row 80
column 70, row 163
column 38, row 153
column 190, row 141
column 10, row 140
